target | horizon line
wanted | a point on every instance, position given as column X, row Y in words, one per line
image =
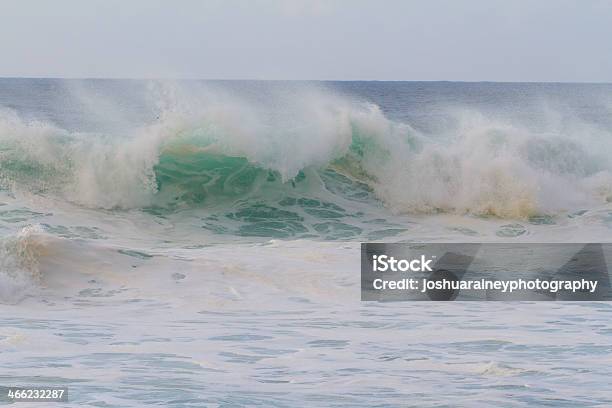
column 118, row 78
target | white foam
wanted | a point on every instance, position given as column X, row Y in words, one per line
column 19, row 273
column 483, row 166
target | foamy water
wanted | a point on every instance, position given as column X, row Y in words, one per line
column 198, row 244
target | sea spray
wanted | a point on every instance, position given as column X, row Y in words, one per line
column 212, row 146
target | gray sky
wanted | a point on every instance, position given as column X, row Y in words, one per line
column 469, row 40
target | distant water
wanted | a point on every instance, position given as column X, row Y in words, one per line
column 197, row 243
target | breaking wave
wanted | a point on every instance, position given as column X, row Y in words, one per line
column 19, row 272
column 217, row 150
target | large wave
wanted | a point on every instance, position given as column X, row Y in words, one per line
column 212, row 148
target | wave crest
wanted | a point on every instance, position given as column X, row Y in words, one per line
column 219, row 148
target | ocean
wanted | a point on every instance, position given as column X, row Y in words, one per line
column 197, row 243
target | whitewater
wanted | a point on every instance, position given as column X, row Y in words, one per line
column 197, row 243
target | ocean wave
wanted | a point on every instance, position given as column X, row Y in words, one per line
column 223, row 150
column 19, row 271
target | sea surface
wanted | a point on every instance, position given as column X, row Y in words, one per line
column 197, row 243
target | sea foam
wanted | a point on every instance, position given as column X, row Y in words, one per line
column 482, row 166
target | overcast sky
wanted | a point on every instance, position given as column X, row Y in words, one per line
column 468, row 40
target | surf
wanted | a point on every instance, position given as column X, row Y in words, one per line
column 213, row 149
